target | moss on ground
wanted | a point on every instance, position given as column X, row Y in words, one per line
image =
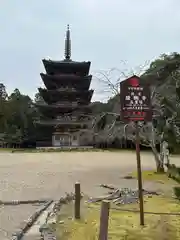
column 6, row 149
column 124, row 224
column 151, row 175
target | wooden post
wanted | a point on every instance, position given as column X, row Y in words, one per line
column 77, row 205
column 104, row 218
column 139, row 174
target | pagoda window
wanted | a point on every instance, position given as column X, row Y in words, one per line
column 67, row 118
column 74, row 118
column 57, row 137
column 59, row 117
column 74, row 138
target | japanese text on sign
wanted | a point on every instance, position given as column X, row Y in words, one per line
column 135, row 100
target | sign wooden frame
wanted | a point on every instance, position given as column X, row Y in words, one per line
column 135, row 100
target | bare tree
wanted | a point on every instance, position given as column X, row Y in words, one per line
column 149, row 135
column 108, row 81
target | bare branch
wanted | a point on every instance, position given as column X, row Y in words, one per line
column 105, row 78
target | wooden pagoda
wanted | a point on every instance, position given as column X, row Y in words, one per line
column 65, row 112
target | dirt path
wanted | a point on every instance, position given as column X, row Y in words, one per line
column 25, row 176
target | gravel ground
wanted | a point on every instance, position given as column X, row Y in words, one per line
column 26, row 176
column 8, row 218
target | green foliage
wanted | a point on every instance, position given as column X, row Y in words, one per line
column 17, row 120
column 174, row 172
column 112, row 105
column 177, row 192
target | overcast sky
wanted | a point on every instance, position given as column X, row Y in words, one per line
column 104, row 32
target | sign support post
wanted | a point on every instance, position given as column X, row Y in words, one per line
column 139, row 175
column 135, row 107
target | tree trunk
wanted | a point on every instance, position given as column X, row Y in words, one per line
column 159, row 163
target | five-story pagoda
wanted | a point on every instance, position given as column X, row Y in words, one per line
column 65, row 111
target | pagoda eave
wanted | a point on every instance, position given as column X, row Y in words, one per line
column 64, row 92
column 64, row 77
column 62, row 81
column 61, row 106
column 66, row 66
column 54, row 110
column 54, row 96
column 61, row 124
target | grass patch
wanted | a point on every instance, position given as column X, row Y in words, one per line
column 34, row 150
column 151, row 175
column 6, row 149
column 43, row 150
column 125, row 225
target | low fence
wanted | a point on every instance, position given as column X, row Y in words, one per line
column 106, row 207
column 105, row 213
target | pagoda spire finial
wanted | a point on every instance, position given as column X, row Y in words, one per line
column 68, row 44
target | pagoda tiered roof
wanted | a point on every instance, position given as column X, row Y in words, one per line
column 56, row 123
column 66, row 66
column 63, row 80
column 53, row 96
column 65, row 107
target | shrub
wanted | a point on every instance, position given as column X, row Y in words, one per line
column 174, row 172
column 177, row 192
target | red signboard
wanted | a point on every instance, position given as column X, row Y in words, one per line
column 135, row 100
